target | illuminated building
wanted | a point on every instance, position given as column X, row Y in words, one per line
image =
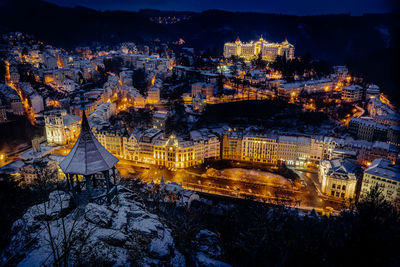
column 340, row 72
column 205, row 89
column 174, row 153
column 269, row 51
column 153, row 95
column 151, row 147
column 207, row 145
column 212, row 148
column 373, row 91
column 386, row 176
column 317, row 149
column 338, row 178
column 352, row 93
column 146, row 145
column 367, row 129
column 232, row 146
column 296, row 150
column 159, row 120
column 103, row 112
column 111, row 140
column 125, row 77
column 259, row 149
column 318, row 86
column 290, row 90
column 61, row 128
column 378, row 150
column 286, row 150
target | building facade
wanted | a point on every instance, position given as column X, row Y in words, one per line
column 268, row 51
column 260, row 149
column 338, row 178
column 61, row 128
column 386, row 176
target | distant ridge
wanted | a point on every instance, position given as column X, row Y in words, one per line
column 368, row 43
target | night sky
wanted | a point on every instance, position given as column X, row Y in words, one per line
column 294, row 7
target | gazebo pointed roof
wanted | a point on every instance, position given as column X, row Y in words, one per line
column 87, row 156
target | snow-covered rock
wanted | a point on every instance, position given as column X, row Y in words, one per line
column 202, row 260
column 208, row 249
column 57, row 205
column 162, row 246
column 121, row 234
column 208, row 243
column 143, row 222
column 178, row 260
column 98, row 214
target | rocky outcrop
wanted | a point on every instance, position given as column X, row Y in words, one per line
column 121, row 234
column 208, row 250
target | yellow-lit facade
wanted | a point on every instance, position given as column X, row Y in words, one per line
column 385, row 175
column 269, row 51
column 174, row 153
column 259, row 149
column 337, row 180
column 61, row 128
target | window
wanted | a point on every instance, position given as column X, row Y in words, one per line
column 343, row 188
column 337, row 194
column 333, row 186
column 332, row 193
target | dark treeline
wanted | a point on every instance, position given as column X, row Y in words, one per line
column 257, row 234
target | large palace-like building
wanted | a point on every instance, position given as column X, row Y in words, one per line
column 269, row 51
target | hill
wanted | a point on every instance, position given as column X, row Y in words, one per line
column 368, row 43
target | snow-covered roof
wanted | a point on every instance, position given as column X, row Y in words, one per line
column 87, row 156
column 341, row 168
column 384, row 168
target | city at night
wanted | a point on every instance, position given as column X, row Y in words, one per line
column 199, row 133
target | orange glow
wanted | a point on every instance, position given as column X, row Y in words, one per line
column 25, row 102
column 48, row 79
column 60, row 62
column 7, row 76
column 54, row 103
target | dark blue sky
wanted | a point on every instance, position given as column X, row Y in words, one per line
column 296, row 7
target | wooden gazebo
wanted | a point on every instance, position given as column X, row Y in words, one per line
column 88, row 158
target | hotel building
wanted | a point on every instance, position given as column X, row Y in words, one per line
column 386, row 176
column 269, row 51
column 259, row 149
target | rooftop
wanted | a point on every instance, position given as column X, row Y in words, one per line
column 384, row 168
column 87, row 156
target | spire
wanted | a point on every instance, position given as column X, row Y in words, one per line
column 87, row 156
column 237, row 40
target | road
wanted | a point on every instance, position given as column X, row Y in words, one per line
column 261, row 187
column 305, row 195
